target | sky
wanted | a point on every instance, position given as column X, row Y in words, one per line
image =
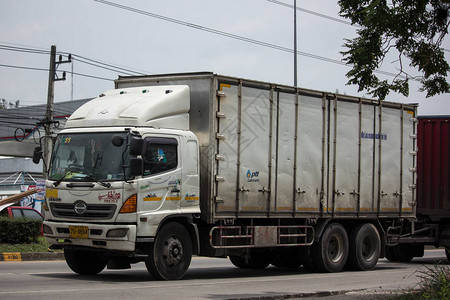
column 149, row 45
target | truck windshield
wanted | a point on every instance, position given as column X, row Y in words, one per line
column 88, row 157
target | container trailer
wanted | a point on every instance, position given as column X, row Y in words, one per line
column 164, row 167
column 432, row 224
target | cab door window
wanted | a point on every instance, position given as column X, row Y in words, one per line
column 160, row 155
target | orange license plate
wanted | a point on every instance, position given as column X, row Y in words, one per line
column 79, row 232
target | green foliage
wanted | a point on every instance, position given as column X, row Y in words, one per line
column 19, row 230
column 40, row 245
column 435, row 283
column 413, row 29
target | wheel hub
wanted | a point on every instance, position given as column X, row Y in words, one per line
column 172, row 251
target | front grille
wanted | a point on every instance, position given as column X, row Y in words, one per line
column 93, row 211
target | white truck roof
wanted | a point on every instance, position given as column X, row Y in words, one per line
column 151, row 106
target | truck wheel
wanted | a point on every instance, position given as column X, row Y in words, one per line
column 406, row 253
column 390, row 254
column 84, row 262
column 286, row 257
column 365, row 247
column 308, row 259
column 331, row 252
column 171, row 254
column 253, row 260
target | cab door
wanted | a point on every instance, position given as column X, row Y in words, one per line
column 161, row 186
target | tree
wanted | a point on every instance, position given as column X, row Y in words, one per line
column 411, row 29
column 5, row 104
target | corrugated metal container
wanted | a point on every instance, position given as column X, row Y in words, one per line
column 276, row 151
column 433, row 167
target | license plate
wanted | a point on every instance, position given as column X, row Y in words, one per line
column 79, row 232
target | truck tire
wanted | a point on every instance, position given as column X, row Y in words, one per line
column 365, row 247
column 405, row 252
column 254, row 260
column 84, row 262
column 171, row 254
column 286, row 258
column 331, row 252
column 390, row 254
column 308, row 259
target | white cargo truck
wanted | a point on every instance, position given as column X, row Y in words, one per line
column 169, row 166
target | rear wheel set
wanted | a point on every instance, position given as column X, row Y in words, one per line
column 337, row 250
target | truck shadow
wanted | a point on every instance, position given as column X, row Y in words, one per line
column 140, row 274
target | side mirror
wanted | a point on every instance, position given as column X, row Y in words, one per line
column 136, row 145
column 117, row 140
column 136, row 166
column 37, row 154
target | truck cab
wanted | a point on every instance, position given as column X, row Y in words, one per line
column 110, row 188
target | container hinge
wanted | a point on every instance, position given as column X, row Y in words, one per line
column 412, row 186
column 220, row 157
column 243, row 189
column 219, row 178
column 299, row 191
column 220, row 115
column 221, row 94
column 414, row 120
column 220, row 136
column 354, row 193
column 264, row 190
column 339, row 193
column 413, row 170
column 219, row 199
column 413, row 153
column 413, row 136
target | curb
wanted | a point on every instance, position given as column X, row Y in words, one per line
column 31, row 256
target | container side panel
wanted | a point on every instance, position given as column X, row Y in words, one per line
column 368, row 202
column 255, row 150
column 227, row 150
column 444, row 193
column 285, row 152
column 347, row 149
column 390, row 139
column 309, row 178
column 433, row 184
column 408, row 172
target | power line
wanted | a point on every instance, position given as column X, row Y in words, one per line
column 314, row 13
column 46, row 70
column 233, row 36
column 89, row 61
column 81, row 58
column 323, row 16
column 219, row 32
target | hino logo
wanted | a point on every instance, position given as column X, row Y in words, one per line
column 80, row 207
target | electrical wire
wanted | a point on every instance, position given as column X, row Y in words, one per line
column 314, row 13
column 79, row 58
column 234, row 36
column 47, row 70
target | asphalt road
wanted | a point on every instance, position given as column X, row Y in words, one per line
column 207, row 278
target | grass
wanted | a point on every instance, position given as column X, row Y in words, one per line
column 40, row 246
column 434, row 285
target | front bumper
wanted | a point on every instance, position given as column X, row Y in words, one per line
column 58, row 233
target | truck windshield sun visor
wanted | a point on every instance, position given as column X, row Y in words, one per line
column 89, row 157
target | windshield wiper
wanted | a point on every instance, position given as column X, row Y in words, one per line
column 57, row 182
column 105, row 184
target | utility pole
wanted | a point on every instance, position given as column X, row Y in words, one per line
column 295, row 43
column 48, row 121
